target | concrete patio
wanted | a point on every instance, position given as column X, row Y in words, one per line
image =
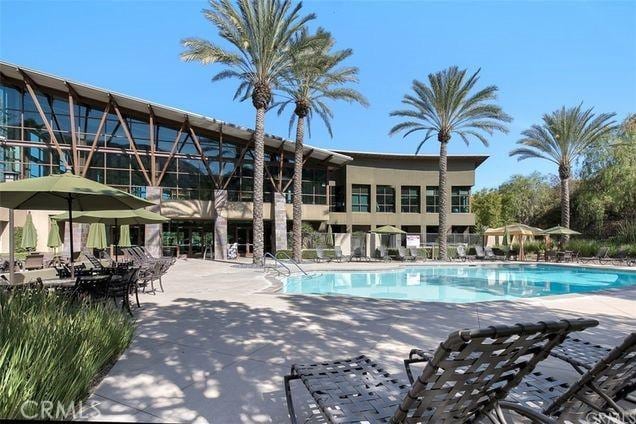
column 215, row 345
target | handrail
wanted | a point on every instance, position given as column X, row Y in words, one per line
column 278, row 261
column 292, row 261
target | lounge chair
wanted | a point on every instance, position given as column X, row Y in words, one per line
column 358, row 254
column 404, row 255
column 338, row 256
column 320, row 255
column 461, row 253
column 384, row 254
column 479, row 253
column 600, row 256
column 597, row 391
column 416, row 255
column 491, row 255
column 464, row 380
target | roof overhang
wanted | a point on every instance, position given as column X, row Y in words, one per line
column 163, row 112
column 477, row 159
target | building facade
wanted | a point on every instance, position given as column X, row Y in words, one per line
column 199, row 171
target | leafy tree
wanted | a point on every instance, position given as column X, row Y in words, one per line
column 262, row 49
column 449, row 105
column 562, row 138
column 526, row 199
column 487, row 206
column 315, row 78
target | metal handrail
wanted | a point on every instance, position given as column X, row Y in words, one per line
column 292, row 261
column 276, row 260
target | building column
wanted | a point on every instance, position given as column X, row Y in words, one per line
column 153, row 234
column 220, row 224
column 280, row 222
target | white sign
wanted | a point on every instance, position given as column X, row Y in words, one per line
column 412, row 240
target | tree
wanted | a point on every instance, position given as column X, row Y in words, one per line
column 486, row 205
column 448, row 105
column 261, row 35
column 562, row 138
column 315, row 78
column 526, row 199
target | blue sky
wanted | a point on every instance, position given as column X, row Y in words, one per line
column 541, row 55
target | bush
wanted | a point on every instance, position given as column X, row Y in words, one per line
column 626, row 232
column 53, row 349
column 586, row 248
column 533, row 246
column 309, row 254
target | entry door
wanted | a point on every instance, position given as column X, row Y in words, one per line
column 244, row 240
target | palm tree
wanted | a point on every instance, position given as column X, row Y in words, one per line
column 261, row 35
column 314, row 79
column 449, row 106
column 562, row 138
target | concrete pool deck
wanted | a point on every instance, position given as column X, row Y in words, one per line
column 215, row 346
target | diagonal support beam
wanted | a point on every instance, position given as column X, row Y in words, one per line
column 173, row 151
column 153, row 158
column 305, row 159
column 29, row 83
column 236, row 167
column 74, row 135
column 100, row 128
column 195, row 139
column 133, row 145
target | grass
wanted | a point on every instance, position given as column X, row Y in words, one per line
column 52, row 349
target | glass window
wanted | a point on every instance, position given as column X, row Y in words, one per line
column 460, row 199
column 360, row 198
column 410, row 200
column 337, row 199
column 385, row 198
column 432, row 199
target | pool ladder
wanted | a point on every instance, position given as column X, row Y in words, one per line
column 278, row 262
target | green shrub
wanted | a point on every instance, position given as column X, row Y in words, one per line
column 626, row 232
column 309, row 254
column 52, row 349
column 533, row 246
column 586, row 248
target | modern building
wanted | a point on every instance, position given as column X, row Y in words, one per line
column 199, row 170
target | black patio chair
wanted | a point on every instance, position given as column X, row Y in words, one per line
column 119, row 287
column 464, row 380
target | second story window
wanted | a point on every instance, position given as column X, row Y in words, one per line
column 432, row 199
column 460, row 199
column 385, row 198
column 360, row 198
column 410, row 199
column 337, row 199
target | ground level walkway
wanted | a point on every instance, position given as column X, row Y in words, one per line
column 214, row 346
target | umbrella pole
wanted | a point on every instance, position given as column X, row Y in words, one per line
column 70, row 233
column 11, row 247
column 118, row 230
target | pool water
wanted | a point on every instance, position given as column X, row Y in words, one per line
column 462, row 283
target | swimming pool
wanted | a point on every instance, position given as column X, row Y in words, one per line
column 462, row 283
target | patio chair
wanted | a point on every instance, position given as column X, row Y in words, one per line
column 597, row 391
column 601, row 255
column 416, row 256
column 480, row 253
column 384, row 254
column 320, row 255
column 34, row 261
column 490, row 255
column 358, row 254
column 405, row 255
column 338, row 256
column 461, row 253
column 119, row 287
column 465, row 379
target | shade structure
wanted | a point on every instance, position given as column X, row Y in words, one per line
column 561, row 231
column 388, row 229
column 29, row 234
column 115, row 217
column 54, row 241
column 124, row 236
column 97, row 237
column 64, row 192
column 515, row 230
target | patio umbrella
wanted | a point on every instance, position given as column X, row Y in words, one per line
column 124, row 236
column 64, row 192
column 561, row 231
column 29, row 234
column 54, row 241
column 97, row 236
column 388, row 229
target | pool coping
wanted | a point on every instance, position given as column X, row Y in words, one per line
column 276, row 282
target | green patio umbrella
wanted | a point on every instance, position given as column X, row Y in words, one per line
column 29, row 234
column 388, row 229
column 97, row 236
column 54, row 241
column 124, row 236
column 64, row 192
column 561, row 231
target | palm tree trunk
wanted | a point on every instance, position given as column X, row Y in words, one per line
column 298, row 198
column 565, row 207
column 442, row 196
column 259, row 161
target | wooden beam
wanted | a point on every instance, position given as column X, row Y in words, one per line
column 100, row 128
column 195, row 139
column 74, row 138
column 28, row 82
column 305, row 159
column 281, row 161
column 221, row 161
column 153, row 160
column 271, row 179
column 238, row 164
column 173, row 150
column 133, row 145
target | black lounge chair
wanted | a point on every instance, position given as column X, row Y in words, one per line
column 338, row 256
column 595, row 393
column 601, row 255
column 384, row 254
column 465, row 379
column 404, row 255
column 320, row 255
column 358, row 253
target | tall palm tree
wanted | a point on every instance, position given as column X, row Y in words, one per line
column 314, row 79
column 261, row 35
column 562, row 138
column 446, row 106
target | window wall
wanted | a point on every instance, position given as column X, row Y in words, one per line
column 460, row 199
column 361, row 198
column 432, row 199
column 385, row 198
column 410, row 199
